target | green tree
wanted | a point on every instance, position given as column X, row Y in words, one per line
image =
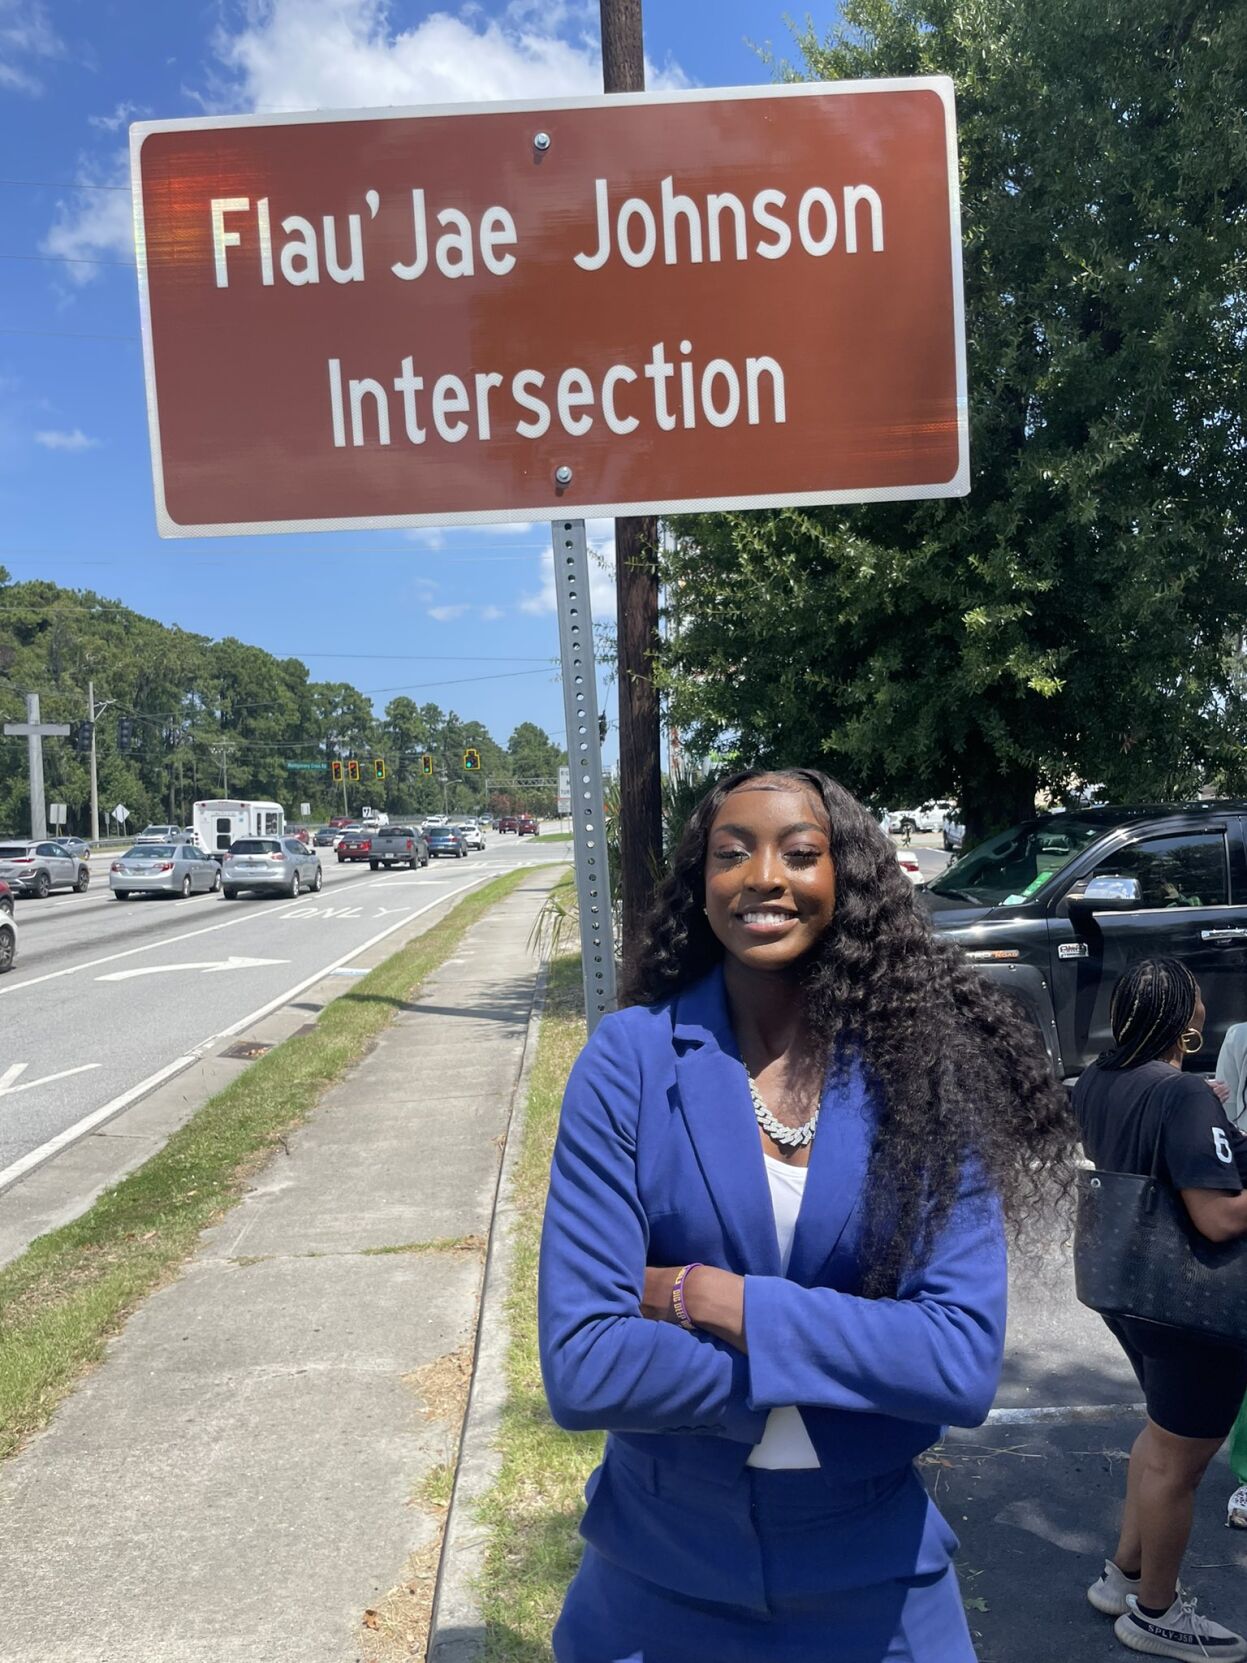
column 1071, row 618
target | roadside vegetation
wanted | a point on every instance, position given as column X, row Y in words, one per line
column 534, row 1509
column 73, row 1288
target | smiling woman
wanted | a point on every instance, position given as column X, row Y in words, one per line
column 773, row 1262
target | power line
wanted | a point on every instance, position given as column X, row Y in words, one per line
column 64, row 185
column 70, row 259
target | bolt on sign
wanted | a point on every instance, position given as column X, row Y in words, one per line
column 645, row 303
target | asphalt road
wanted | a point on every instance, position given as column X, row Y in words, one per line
column 108, row 998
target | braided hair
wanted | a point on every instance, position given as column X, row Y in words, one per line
column 956, row 1070
column 1151, row 1008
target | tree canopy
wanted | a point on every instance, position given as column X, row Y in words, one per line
column 1077, row 617
column 222, row 718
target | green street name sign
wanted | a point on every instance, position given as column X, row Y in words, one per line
column 306, row 767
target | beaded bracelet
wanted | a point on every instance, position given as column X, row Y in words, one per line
column 677, row 1297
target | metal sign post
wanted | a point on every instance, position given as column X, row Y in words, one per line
column 584, row 751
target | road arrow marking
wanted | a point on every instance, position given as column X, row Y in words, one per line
column 9, row 1089
column 210, row 967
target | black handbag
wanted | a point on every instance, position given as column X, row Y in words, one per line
column 1137, row 1254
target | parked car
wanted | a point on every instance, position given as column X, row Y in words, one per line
column 355, row 845
column 8, row 941
column 37, row 868
column 399, row 846
column 953, row 830
column 472, row 834
column 1057, row 908
column 446, row 840
column 164, row 869
column 927, row 818
column 6, row 900
column 163, row 834
column 526, row 826
column 508, row 823
column 908, row 864
column 271, row 863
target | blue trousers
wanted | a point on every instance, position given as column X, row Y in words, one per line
column 613, row 1615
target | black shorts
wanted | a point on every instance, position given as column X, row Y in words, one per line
column 1192, row 1387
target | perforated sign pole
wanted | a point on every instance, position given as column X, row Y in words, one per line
column 584, row 751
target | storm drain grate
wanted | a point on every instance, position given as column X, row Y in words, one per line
column 247, row 1050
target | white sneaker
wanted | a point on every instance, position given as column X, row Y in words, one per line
column 1236, row 1509
column 1108, row 1592
column 1181, row 1632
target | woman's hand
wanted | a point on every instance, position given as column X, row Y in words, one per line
column 714, row 1300
column 1220, row 1090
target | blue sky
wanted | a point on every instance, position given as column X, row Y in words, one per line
column 430, row 613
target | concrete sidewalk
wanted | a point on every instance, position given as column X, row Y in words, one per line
column 252, row 1473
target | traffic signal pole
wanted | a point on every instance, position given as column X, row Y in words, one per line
column 636, row 591
column 95, row 779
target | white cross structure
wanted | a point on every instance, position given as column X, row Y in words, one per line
column 36, row 732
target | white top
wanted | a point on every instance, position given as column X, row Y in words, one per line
column 785, row 1442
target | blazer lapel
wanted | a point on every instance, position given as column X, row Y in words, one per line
column 836, row 1181
column 715, row 1102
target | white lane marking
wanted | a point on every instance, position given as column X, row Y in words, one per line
column 27, row 1163
column 111, row 958
column 1075, row 1412
column 210, row 967
column 8, row 1089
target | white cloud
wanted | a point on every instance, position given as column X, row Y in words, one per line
column 446, row 614
column 94, row 223
column 114, row 123
column 26, row 36
column 491, row 614
column 601, row 539
column 348, row 54
column 53, row 439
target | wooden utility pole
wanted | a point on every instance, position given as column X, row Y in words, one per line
column 636, row 590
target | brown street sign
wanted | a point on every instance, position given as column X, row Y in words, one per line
column 620, row 305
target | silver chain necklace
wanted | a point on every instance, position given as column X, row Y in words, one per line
column 788, row 1137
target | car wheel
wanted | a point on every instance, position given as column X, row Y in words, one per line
column 43, row 886
column 317, row 881
column 216, row 881
column 84, row 878
column 295, row 886
column 186, row 887
column 373, row 865
column 8, row 947
column 6, row 906
column 122, row 894
column 231, row 894
column 425, row 861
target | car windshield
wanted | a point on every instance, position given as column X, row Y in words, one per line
column 152, row 851
column 1009, row 870
column 256, row 846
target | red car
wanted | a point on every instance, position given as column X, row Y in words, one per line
column 6, row 898
column 356, row 846
column 508, row 823
column 526, row 826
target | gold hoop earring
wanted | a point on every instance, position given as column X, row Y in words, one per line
column 1191, row 1042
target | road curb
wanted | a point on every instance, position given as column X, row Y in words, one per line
column 456, row 1628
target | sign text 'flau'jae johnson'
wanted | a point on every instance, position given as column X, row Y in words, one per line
column 652, row 303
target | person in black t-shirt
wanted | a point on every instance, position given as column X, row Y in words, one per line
column 1132, row 1099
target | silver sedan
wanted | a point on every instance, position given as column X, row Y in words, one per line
column 164, row 869
column 271, row 863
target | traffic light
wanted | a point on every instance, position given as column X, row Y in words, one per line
column 471, row 759
column 83, row 737
column 378, row 767
column 426, row 764
column 335, row 771
column 352, row 770
column 125, row 734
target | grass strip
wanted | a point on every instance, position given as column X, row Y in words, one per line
column 73, row 1288
column 534, row 1508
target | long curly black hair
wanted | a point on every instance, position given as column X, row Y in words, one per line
column 956, row 1069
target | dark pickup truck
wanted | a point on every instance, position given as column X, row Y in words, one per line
column 398, row 846
column 1057, row 908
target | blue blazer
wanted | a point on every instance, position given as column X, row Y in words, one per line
column 658, row 1161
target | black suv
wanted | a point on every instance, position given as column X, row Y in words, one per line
column 1057, row 908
